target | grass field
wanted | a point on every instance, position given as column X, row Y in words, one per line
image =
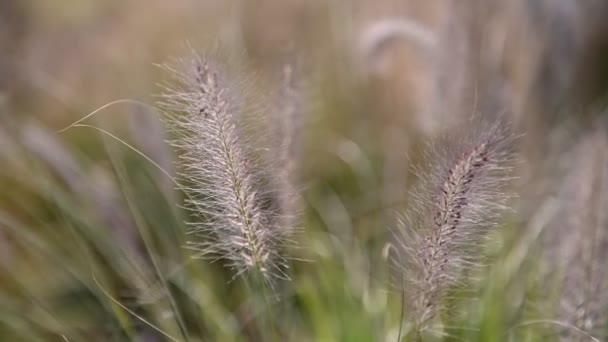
column 303, row 171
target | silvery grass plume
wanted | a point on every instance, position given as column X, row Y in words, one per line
column 577, row 241
column 456, row 204
column 398, row 57
column 287, row 148
column 383, row 33
column 223, row 176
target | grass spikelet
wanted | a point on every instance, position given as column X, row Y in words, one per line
column 224, row 186
column 287, row 151
column 576, row 247
column 378, row 35
column 456, row 204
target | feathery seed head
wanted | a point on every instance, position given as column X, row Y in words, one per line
column 220, row 176
column 288, row 121
column 576, row 241
column 456, row 205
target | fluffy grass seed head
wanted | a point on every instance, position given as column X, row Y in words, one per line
column 456, row 204
column 576, row 241
column 219, row 175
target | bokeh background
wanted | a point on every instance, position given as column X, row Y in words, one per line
column 92, row 233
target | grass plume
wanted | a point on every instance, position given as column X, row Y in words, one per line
column 224, row 186
column 287, row 123
column 456, row 205
column 576, row 241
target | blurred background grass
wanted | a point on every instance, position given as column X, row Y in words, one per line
column 92, row 234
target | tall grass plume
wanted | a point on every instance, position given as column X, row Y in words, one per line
column 221, row 177
column 576, row 241
column 455, row 205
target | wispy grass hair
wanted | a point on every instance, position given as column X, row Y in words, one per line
column 221, row 177
column 458, row 200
